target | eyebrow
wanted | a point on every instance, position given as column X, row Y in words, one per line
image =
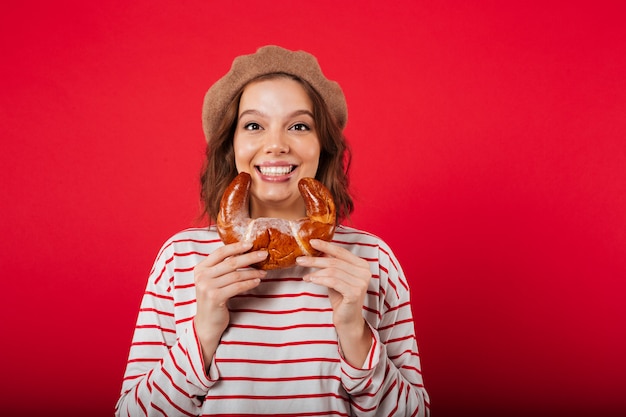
column 290, row 115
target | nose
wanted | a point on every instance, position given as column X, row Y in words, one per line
column 276, row 142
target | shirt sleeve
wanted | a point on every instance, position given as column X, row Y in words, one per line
column 165, row 370
column 390, row 382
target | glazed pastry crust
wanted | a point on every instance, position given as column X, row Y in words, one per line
column 284, row 240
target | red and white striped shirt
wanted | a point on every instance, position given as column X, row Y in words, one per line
column 280, row 354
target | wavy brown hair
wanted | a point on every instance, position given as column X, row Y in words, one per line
column 334, row 164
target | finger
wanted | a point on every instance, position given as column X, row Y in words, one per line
column 336, row 257
column 329, row 248
column 231, row 264
column 221, row 287
column 226, row 251
column 234, row 278
column 337, row 251
column 351, row 290
column 236, row 283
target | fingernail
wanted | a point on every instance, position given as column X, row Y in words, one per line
column 262, row 254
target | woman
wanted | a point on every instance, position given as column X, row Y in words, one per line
column 332, row 335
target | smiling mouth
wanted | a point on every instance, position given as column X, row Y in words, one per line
column 276, row 171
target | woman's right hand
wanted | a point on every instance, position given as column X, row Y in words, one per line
column 218, row 278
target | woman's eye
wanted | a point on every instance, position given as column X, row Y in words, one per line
column 252, row 126
column 300, row 127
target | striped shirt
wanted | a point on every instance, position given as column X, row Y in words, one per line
column 280, row 354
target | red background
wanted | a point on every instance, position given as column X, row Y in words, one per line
column 489, row 151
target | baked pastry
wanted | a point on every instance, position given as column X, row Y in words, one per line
column 284, row 240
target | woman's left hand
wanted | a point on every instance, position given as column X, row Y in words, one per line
column 347, row 278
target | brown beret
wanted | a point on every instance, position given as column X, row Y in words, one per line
column 268, row 60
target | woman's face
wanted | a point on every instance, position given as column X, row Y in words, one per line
column 276, row 142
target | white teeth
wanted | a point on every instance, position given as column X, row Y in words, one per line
column 281, row 170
